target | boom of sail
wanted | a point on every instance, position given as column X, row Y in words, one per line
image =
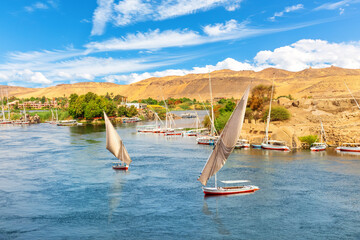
column 227, row 141
column 114, row 143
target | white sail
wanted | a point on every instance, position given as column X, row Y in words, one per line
column 269, row 116
column 114, row 143
column 227, row 141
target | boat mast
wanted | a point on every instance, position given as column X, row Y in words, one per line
column 8, row 106
column 25, row 113
column 212, row 131
column 2, row 106
column 323, row 134
column 269, row 115
column 166, row 118
column 352, row 95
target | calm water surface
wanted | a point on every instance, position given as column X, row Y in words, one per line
column 57, row 183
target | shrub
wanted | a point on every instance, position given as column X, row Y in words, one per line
column 278, row 113
column 309, row 139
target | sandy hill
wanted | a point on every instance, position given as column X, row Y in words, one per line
column 315, row 83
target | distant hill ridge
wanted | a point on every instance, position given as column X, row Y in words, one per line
column 315, row 83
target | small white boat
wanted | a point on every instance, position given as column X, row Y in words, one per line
column 67, row 123
column 116, row 146
column 230, row 189
column 207, row 140
column 222, row 151
column 272, row 144
column 349, row 147
column 275, row 145
column 318, row 147
column 242, row 143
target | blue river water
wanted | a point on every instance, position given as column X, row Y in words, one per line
column 57, row 183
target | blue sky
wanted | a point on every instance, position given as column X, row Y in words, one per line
column 49, row 42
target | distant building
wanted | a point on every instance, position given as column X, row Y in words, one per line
column 137, row 105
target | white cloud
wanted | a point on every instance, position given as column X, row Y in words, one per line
column 150, row 40
column 221, row 29
column 287, row 10
column 29, row 76
column 40, row 6
column 335, row 5
column 44, row 70
column 311, row 53
column 131, row 11
column 102, row 15
column 155, row 39
column 170, row 9
column 228, row 63
column 295, row 57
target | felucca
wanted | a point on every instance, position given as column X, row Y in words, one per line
column 4, row 121
column 116, row 146
column 319, row 146
column 272, row 144
column 222, row 150
column 350, row 147
column 210, row 139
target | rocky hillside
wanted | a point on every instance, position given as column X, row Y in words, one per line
column 309, row 83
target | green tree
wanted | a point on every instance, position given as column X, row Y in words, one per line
column 221, row 120
column 278, row 113
column 92, row 110
column 131, row 111
column 43, row 100
column 122, row 111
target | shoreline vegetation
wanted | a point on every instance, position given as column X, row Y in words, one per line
column 293, row 120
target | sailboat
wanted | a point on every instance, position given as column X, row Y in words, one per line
column 116, row 146
column 272, row 144
column 211, row 139
column 222, row 150
column 319, row 146
column 3, row 121
column 350, row 147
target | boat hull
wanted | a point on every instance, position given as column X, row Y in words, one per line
column 229, row 190
column 242, row 146
column 274, row 147
column 348, row 149
column 317, row 149
column 123, row 168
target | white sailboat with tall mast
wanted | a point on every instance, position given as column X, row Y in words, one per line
column 350, row 147
column 320, row 146
column 222, row 150
column 116, row 146
column 272, row 144
column 4, row 120
column 211, row 139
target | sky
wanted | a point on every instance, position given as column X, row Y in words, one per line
column 49, row 42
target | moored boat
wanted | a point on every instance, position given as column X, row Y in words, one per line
column 256, row 146
column 275, row 145
column 207, row 140
column 268, row 144
column 242, row 143
column 67, row 123
column 349, row 147
column 318, row 147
